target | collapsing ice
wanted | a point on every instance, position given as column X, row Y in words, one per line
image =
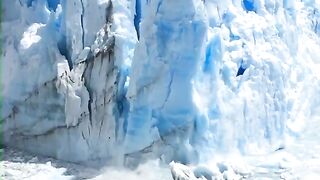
column 180, row 80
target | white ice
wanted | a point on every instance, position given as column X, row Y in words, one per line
column 229, row 88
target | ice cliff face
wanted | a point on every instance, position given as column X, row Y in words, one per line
column 65, row 75
column 116, row 81
column 160, row 91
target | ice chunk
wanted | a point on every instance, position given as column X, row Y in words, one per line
column 160, row 91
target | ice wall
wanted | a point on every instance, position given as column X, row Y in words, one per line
column 273, row 44
column 222, row 77
column 205, row 77
column 64, row 77
column 164, row 64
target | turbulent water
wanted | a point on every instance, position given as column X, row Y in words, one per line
column 225, row 89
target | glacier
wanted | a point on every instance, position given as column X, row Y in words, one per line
column 119, row 82
column 75, row 101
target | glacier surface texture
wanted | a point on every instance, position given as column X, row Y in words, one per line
column 121, row 81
